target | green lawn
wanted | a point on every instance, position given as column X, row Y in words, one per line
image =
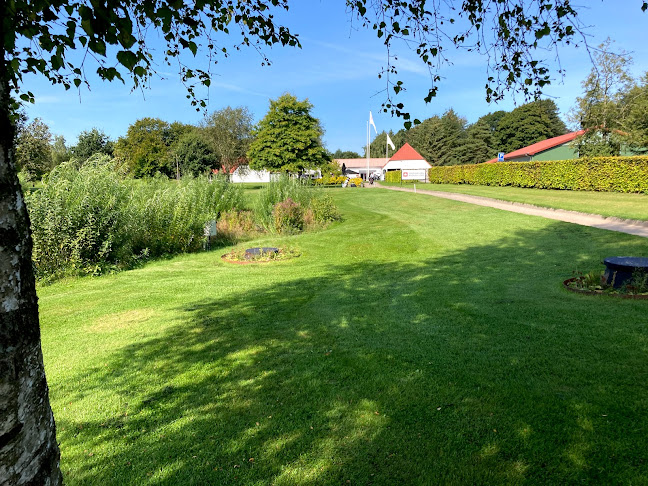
column 629, row 206
column 420, row 341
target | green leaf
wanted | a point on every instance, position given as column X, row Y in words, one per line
column 127, row 59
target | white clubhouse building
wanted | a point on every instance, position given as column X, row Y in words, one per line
column 406, row 158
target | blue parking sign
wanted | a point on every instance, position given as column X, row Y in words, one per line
column 500, row 156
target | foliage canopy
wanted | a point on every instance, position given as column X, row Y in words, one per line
column 288, row 138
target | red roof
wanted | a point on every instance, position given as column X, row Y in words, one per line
column 406, row 152
column 362, row 163
column 538, row 147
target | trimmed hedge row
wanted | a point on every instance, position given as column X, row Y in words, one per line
column 393, row 176
column 607, row 174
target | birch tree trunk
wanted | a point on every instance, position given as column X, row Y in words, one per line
column 29, row 453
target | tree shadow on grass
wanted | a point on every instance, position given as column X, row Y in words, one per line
column 471, row 368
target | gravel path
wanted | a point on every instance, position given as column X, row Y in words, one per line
column 630, row 226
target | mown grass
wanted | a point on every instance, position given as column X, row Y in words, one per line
column 620, row 205
column 421, row 341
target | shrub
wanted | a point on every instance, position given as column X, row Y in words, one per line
column 168, row 217
column 278, row 191
column 330, row 180
column 357, row 181
column 87, row 219
column 323, row 210
column 393, row 176
column 609, row 174
column 77, row 218
column 288, row 217
column 234, row 226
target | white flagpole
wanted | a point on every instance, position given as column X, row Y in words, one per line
column 386, row 152
column 368, row 137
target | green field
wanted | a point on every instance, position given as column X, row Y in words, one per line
column 420, row 341
column 620, row 205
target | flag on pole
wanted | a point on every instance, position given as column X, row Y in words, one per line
column 390, row 143
column 371, row 122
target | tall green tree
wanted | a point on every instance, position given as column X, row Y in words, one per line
column 528, row 124
column 60, row 152
column 438, row 138
column 491, row 120
column 477, row 146
column 33, row 149
column 92, row 142
column 604, row 107
column 194, row 154
column 147, row 148
column 635, row 123
column 345, row 154
column 445, row 142
column 229, row 131
column 288, row 138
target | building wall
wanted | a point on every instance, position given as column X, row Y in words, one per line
column 561, row 152
column 521, row 158
column 247, row 175
column 406, row 165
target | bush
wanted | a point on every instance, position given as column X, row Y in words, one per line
column 330, row 180
column 608, row 174
column 87, row 219
column 168, row 217
column 78, row 218
column 288, row 217
column 278, row 191
column 234, row 226
column 393, row 176
column 323, row 210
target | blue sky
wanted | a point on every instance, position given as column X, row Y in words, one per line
column 337, row 70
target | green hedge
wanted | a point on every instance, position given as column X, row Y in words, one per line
column 393, row 176
column 608, row 174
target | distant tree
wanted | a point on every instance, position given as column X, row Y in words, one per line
column 147, row 147
column 491, row 120
column 33, row 150
column 528, row 124
column 288, row 138
column 556, row 124
column 60, row 152
column 477, row 146
column 635, row 123
column 438, row 139
column 92, row 142
column 603, row 109
column 194, row 154
column 379, row 148
column 230, row 132
column 444, row 144
column 345, row 154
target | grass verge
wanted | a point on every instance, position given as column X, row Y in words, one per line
column 610, row 204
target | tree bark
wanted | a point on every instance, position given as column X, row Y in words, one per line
column 29, row 453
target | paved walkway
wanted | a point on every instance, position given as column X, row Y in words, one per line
column 630, row 226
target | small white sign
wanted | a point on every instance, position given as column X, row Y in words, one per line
column 210, row 228
column 414, row 175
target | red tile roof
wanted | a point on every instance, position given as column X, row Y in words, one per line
column 362, row 163
column 538, row 147
column 406, row 152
